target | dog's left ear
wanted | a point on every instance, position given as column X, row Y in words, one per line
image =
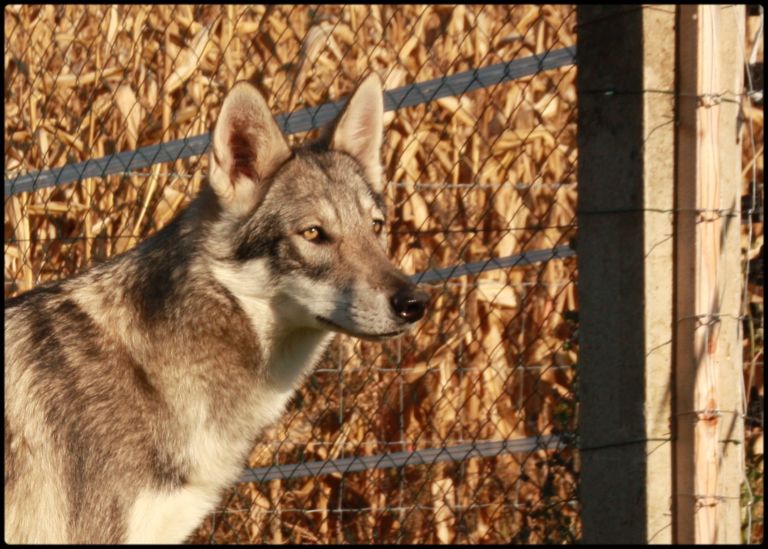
column 358, row 129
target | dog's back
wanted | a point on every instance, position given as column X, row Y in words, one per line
column 65, row 417
column 89, row 426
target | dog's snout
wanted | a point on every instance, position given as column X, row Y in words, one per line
column 409, row 303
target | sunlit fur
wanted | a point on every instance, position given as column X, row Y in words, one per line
column 134, row 391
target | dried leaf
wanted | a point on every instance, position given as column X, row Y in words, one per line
column 187, row 61
column 496, row 293
column 130, row 107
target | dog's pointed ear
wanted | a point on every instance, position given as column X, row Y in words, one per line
column 358, row 130
column 248, row 147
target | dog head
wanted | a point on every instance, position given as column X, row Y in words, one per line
column 302, row 231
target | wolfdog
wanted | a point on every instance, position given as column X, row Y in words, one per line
column 134, row 391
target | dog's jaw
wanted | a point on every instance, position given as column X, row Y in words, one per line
column 362, row 335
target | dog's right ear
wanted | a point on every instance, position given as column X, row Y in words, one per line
column 248, row 147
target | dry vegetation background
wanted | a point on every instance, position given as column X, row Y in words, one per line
column 487, row 174
column 753, row 232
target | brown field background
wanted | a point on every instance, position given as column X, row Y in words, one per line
column 486, row 174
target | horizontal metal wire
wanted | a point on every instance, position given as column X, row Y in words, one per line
column 516, row 260
column 462, row 452
column 302, row 120
column 521, row 370
column 392, row 509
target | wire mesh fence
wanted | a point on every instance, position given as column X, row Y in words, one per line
column 459, row 432
column 462, row 431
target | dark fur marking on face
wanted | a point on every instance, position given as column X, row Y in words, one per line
column 259, row 237
column 288, row 259
column 378, row 200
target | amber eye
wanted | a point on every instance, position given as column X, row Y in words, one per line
column 312, row 233
column 378, row 225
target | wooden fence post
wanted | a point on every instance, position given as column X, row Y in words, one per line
column 708, row 422
column 626, row 139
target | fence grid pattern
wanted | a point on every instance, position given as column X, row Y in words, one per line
column 463, row 431
column 459, row 432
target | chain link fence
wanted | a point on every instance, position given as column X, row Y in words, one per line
column 461, row 431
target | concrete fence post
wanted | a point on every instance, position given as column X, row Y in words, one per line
column 626, row 82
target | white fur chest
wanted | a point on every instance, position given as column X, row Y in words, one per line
column 217, row 457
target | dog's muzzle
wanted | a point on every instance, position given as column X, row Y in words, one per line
column 409, row 303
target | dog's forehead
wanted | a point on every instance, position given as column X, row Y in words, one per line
column 330, row 178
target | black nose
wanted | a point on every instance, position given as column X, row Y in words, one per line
column 409, row 303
